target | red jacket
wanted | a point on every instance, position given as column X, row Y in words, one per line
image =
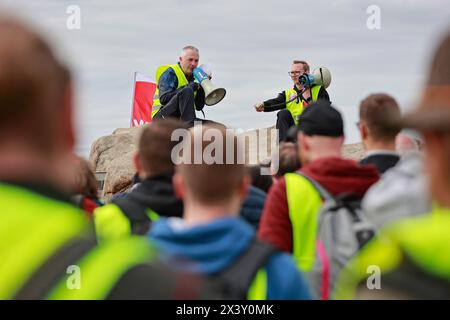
column 337, row 175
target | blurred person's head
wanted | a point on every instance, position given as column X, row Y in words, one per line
column 320, row 132
column 432, row 119
column 408, row 141
column 154, row 155
column 36, row 129
column 288, row 159
column 212, row 190
column 85, row 182
column 373, row 112
column 258, row 180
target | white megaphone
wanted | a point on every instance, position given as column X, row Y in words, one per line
column 320, row 75
column 212, row 95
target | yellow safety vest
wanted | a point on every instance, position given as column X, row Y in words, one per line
column 423, row 239
column 296, row 107
column 111, row 223
column 304, row 203
column 182, row 82
column 258, row 288
column 33, row 228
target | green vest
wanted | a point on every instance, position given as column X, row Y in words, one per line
column 304, row 204
column 182, row 82
column 296, row 107
column 424, row 240
column 258, row 288
column 111, row 223
column 33, row 228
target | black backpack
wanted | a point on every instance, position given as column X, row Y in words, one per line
column 136, row 213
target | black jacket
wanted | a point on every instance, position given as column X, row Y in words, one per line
column 157, row 194
column 281, row 98
column 381, row 161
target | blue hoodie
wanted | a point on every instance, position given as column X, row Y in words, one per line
column 214, row 246
column 253, row 206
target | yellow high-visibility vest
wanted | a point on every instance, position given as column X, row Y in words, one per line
column 296, row 107
column 182, row 81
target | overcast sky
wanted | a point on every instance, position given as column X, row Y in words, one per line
column 250, row 45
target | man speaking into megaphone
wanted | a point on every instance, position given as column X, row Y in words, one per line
column 307, row 88
column 178, row 94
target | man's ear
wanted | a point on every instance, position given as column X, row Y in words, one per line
column 178, row 186
column 67, row 117
column 137, row 163
column 244, row 186
column 363, row 130
column 303, row 144
column 303, row 148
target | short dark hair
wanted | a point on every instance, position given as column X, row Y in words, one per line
column 375, row 110
column 155, row 145
column 85, row 180
column 304, row 63
column 289, row 160
column 263, row 182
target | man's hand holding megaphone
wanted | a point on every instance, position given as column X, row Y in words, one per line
column 212, row 95
column 194, row 86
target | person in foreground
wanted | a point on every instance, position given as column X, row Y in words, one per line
column 211, row 234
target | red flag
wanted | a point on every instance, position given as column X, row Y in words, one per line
column 144, row 90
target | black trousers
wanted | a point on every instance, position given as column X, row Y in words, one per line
column 181, row 106
column 284, row 123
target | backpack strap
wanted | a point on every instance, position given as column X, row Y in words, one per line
column 238, row 277
column 54, row 269
column 136, row 213
column 322, row 191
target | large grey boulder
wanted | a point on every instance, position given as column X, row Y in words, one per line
column 113, row 155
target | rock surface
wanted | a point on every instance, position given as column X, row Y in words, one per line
column 113, row 155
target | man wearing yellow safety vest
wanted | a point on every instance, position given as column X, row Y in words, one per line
column 211, row 234
column 293, row 101
column 290, row 216
column 177, row 94
column 47, row 247
column 410, row 257
column 133, row 213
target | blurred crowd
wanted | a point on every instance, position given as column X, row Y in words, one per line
column 321, row 226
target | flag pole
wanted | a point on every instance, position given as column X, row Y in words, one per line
column 132, row 99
